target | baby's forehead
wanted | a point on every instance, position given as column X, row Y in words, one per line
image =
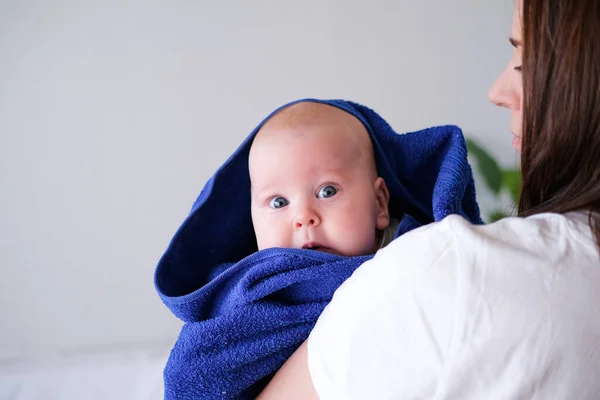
column 309, row 117
column 311, row 131
column 310, row 113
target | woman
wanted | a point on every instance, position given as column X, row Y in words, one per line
column 508, row 310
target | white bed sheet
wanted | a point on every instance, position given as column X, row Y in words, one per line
column 127, row 375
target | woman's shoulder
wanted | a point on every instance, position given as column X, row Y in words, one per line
column 509, row 236
column 456, row 249
column 574, row 223
column 461, row 298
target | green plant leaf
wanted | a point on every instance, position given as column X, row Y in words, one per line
column 512, row 182
column 487, row 165
column 496, row 216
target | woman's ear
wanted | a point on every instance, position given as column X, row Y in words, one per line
column 382, row 195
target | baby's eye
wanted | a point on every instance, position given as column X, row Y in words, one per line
column 327, row 191
column 279, row 202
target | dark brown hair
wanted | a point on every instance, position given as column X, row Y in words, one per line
column 560, row 156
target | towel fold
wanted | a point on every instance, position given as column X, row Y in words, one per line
column 245, row 312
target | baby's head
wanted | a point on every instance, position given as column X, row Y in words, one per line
column 315, row 184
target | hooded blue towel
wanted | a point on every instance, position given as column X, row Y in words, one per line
column 245, row 312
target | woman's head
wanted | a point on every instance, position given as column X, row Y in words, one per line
column 552, row 88
column 507, row 91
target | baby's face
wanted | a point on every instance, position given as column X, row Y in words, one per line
column 315, row 186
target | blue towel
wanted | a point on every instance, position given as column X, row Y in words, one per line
column 245, row 312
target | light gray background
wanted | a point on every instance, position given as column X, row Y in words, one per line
column 114, row 113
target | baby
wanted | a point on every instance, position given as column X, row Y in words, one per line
column 315, row 183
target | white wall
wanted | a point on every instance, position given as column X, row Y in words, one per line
column 114, row 113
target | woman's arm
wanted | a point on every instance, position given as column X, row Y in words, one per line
column 293, row 380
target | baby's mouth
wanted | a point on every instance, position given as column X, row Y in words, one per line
column 318, row 247
column 312, row 246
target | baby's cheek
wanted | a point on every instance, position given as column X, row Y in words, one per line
column 263, row 236
column 269, row 234
column 359, row 236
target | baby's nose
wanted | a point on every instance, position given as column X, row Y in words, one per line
column 307, row 219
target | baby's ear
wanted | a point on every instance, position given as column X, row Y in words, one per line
column 382, row 196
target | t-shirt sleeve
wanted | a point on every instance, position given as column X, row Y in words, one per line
column 388, row 328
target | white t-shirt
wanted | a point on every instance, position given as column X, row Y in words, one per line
column 509, row 310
